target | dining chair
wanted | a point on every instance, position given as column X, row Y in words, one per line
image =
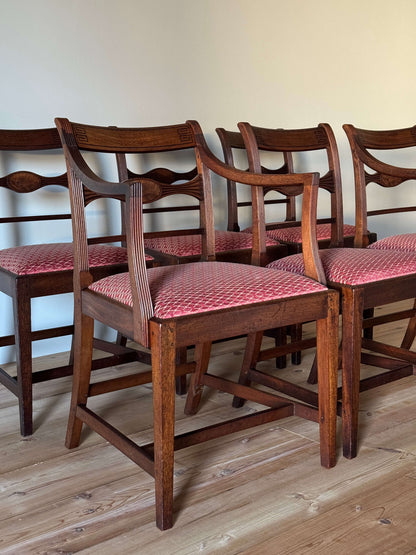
column 293, row 145
column 319, row 144
column 365, row 279
column 366, row 148
column 29, row 271
column 170, row 307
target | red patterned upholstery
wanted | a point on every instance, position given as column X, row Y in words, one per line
column 201, row 286
column 294, row 234
column 190, row 245
column 405, row 242
column 354, row 266
column 55, row 257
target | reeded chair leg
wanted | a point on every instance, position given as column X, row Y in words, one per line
column 83, row 346
column 251, row 355
column 23, row 337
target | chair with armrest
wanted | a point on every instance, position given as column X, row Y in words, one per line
column 168, row 308
column 293, row 143
column 30, row 271
column 369, row 168
column 365, row 279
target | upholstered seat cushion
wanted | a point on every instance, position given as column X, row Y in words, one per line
column 405, row 242
column 354, row 266
column 294, row 234
column 190, row 245
column 56, row 257
column 203, row 286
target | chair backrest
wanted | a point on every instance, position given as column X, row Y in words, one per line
column 231, row 141
column 178, row 184
column 155, row 141
column 363, row 144
column 19, row 140
column 319, row 138
column 136, row 192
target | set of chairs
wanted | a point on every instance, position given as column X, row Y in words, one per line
column 168, row 290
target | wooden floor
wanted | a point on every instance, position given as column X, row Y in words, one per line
column 260, row 491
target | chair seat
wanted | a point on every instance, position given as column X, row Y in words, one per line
column 405, row 242
column 294, row 234
column 200, row 287
column 190, row 245
column 349, row 266
column 56, row 257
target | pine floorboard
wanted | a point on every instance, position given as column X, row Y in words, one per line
column 259, row 491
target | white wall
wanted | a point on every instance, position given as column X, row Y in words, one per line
column 271, row 62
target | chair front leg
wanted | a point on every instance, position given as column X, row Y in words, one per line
column 23, row 341
column 327, row 368
column 163, row 351
column 352, row 322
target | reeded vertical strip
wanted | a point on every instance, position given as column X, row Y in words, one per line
column 313, row 264
column 257, row 194
column 206, row 211
column 327, row 357
column 142, row 301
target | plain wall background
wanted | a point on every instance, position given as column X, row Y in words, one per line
column 148, row 62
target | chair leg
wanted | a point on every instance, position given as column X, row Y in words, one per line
column 327, row 363
column 296, row 335
column 202, row 355
column 410, row 332
column 352, row 321
column 181, row 356
column 163, row 377
column 23, row 342
column 121, row 339
column 251, row 355
column 83, row 344
column 368, row 332
column 280, row 340
column 313, row 374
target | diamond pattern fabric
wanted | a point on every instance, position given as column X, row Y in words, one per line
column 204, row 286
column 405, row 242
column 294, row 234
column 56, row 257
column 190, row 245
column 354, row 266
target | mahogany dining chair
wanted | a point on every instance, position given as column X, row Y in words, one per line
column 171, row 307
column 365, row 279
